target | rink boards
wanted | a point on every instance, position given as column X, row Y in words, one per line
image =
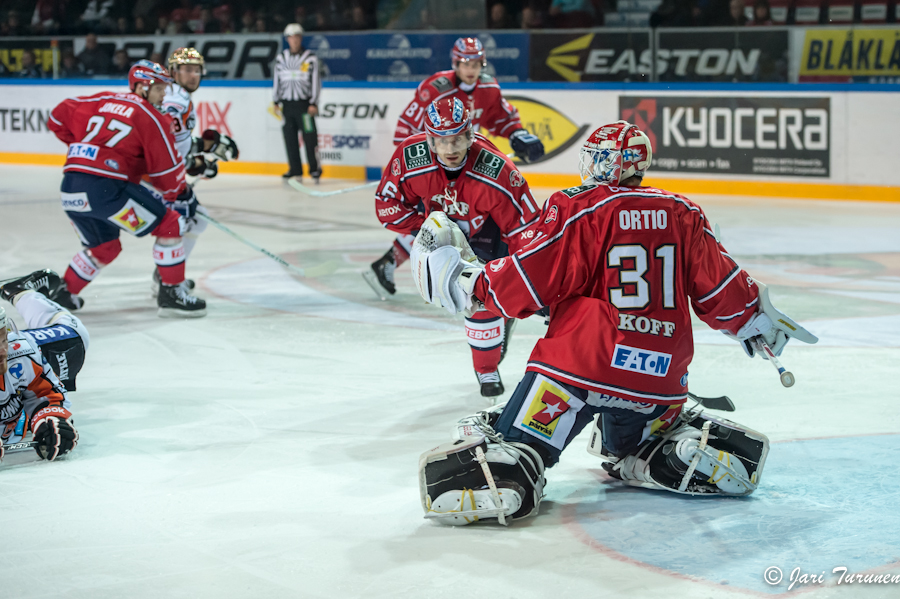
column 825, row 142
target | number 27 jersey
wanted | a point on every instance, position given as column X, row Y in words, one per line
column 620, row 269
column 119, row 136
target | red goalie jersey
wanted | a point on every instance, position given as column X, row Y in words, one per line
column 619, row 268
column 120, row 136
column 488, row 187
column 487, row 107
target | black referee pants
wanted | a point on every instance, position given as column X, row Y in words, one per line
column 296, row 119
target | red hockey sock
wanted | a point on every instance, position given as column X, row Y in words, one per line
column 81, row 271
column 170, row 263
column 402, row 248
column 485, row 334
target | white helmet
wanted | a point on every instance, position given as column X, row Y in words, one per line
column 293, row 29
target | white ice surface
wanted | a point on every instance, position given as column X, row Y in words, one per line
column 270, row 449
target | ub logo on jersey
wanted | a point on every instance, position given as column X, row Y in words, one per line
column 417, row 155
column 643, row 361
column 550, row 415
column 488, row 164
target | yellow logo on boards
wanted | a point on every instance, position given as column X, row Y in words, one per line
column 555, row 130
column 563, row 58
column 851, row 52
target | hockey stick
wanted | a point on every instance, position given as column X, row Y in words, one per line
column 19, row 447
column 787, row 378
column 324, row 194
column 722, row 403
column 319, row 270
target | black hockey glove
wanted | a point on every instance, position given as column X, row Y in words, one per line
column 223, row 147
column 206, row 169
column 54, row 432
column 526, row 145
column 186, row 203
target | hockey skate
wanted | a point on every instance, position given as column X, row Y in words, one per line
column 381, row 277
column 175, row 301
column 491, row 385
column 188, row 284
column 45, row 282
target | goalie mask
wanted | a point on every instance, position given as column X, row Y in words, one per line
column 615, row 152
column 448, row 126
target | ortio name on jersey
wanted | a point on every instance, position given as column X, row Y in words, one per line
column 652, row 219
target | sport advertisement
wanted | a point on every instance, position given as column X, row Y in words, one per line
column 733, row 135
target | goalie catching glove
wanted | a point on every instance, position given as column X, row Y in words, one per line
column 444, row 266
column 770, row 325
column 54, row 432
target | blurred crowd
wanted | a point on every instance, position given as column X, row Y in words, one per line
column 157, row 17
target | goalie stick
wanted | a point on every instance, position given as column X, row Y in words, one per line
column 293, row 182
column 313, row 271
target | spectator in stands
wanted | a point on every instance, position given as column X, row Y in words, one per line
column 140, row 26
column 676, row 13
column 178, row 22
column 97, row 16
column 93, row 58
column 12, row 26
column 500, row 17
column 46, row 16
column 207, row 24
column 30, row 68
column 248, row 19
column 122, row 27
column 572, row 13
column 532, row 17
column 761, row 13
column 737, row 14
column 222, row 14
column 260, row 26
column 120, row 63
column 69, row 67
column 358, row 18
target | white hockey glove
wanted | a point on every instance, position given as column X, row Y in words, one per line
column 444, row 266
column 771, row 325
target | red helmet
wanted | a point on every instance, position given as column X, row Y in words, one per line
column 467, row 48
column 615, row 152
column 147, row 73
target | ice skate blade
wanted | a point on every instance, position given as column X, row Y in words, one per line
column 372, row 280
column 173, row 313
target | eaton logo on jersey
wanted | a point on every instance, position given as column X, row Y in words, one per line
column 644, row 361
column 85, row 151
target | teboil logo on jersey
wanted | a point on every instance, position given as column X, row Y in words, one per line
column 542, row 416
column 213, row 116
column 555, row 130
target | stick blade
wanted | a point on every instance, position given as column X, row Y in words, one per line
column 296, row 184
column 722, row 403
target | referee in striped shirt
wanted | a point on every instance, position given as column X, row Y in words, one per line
column 295, row 92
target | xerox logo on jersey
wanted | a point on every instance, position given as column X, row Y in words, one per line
column 417, row 155
column 643, row 361
column 488, row 164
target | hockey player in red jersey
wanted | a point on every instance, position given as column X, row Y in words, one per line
column 489, row 110
column 452, row 169
column 114, row 139
column 620, row 266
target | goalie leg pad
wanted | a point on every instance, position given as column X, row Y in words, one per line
column 702, row 455
column 476, row 478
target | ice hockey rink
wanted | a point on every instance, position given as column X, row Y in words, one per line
column 270, row 449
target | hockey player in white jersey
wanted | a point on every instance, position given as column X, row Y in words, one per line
column 201, row 154
column 38, row 365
